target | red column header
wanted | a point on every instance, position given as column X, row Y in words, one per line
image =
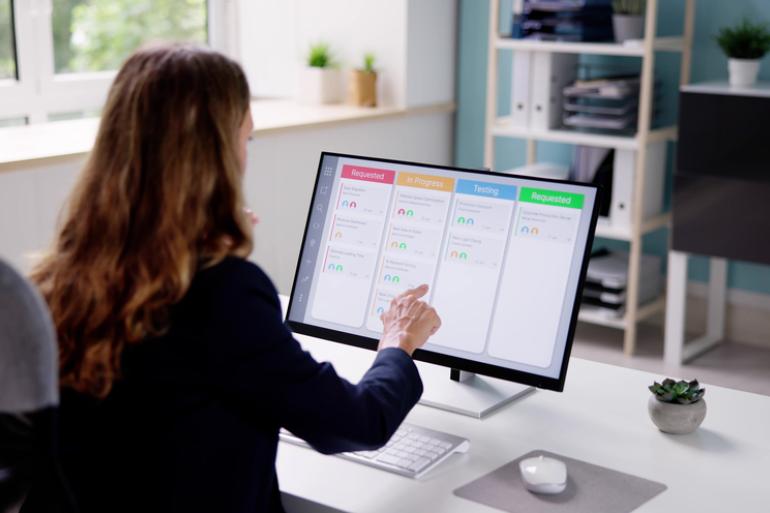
column 368, row 174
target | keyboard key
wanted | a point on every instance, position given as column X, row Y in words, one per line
column 389, row 459
column 419, row 464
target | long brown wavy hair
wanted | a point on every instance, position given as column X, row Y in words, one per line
column 159, row 197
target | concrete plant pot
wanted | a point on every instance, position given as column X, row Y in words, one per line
column 674, row 418
column 743, row 72
column 319, row 86
column 627, row 27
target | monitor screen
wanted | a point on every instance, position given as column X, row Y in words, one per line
column 504, row 256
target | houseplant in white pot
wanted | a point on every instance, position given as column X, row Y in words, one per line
column 319, row 79
column 628, row 19
column 363, row 83
column 744, row 44
column 677, row 407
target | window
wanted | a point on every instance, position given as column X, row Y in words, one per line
column 97, row 35
column 58, row 57
column 7, row 47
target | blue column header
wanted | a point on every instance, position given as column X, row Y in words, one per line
column 486, row 189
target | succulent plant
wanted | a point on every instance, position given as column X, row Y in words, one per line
column 678, row 392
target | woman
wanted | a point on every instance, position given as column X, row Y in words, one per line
column 176, row 368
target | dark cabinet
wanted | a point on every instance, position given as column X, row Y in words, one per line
column 721, row 199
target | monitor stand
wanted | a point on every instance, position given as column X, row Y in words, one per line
column 467, row 393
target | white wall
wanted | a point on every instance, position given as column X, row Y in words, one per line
column 431, row 51
column 413, row 41
column 276, row 36
column 31, row 198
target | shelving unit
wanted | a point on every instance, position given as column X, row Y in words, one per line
column 644, row 49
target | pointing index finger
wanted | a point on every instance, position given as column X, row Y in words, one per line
column 416, row 292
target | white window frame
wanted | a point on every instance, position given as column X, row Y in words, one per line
column 39, row 91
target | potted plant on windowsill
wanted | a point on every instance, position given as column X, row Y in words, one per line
column 363, row 84
column 628, row 19
column 677, row 407
column 319, row 81
column 744, row 44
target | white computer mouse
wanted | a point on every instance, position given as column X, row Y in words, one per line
column 542, row 474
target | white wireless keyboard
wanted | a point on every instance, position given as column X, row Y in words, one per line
column 412, row 451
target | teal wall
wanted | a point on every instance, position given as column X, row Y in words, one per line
column 708, row 63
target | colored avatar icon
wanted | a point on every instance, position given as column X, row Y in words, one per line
column 380, row 310
column 396, row 279
column 469, row 221
column 524, row 229
column 353, row 204
column 344, row 203
column 453, row 254
column 463, row 256
column 386, row 277
column 332, row 267
column 338, row 235
column 402, row 245
column 401, row 212
column 394, row 245
column 409, row 213
column 461, row 220
column 534, row 231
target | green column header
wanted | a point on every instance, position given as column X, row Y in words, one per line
column 548, row 197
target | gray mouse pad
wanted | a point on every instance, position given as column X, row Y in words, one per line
column 590, row 489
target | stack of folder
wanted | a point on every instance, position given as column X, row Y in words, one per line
column 607, row 280
column 562, row 20
column 607, row 104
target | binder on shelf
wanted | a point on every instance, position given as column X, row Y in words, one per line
column 614, row 170
column 520, row 90
column 622, row 188
column 623, row 184
column 551, row 72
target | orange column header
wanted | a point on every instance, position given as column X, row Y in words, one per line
column 436, row 183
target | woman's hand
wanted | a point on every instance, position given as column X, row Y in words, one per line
column 409, row 322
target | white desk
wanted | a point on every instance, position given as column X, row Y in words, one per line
column 601, row 417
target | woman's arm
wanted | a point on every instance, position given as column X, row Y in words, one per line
column 256, row 363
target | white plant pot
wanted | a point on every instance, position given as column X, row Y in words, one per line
column 627, row 27
column 743, row 72
column 318, row 86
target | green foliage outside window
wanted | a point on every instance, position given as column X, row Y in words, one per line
column 7, row 61
column 97, row 35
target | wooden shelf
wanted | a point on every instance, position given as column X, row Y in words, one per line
column 633, row 48
column 646, row 50
column 593, row 315
column 607, row 231
column 503, row 128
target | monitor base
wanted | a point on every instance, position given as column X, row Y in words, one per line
column 467, row 393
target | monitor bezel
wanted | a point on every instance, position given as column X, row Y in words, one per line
column 454, row 362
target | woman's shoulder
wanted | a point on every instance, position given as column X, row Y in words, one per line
column 233, row 274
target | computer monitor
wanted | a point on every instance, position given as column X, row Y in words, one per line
column 505, row 257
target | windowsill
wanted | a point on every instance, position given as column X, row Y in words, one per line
column 23, row 144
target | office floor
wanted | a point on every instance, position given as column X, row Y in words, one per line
column 732, row 365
